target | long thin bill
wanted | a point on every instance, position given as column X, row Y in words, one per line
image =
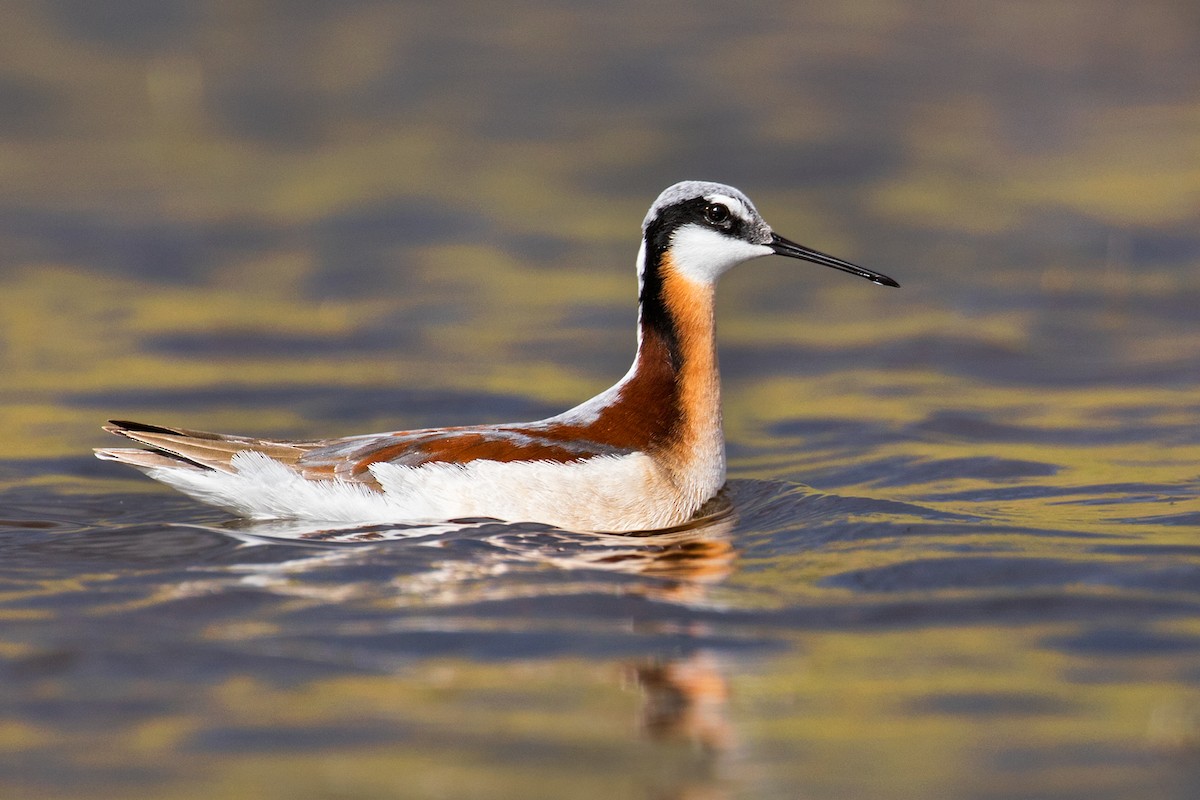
column 784, row 247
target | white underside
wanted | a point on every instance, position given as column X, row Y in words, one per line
column 610, row 493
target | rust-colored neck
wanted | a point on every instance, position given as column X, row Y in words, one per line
column 670, row 403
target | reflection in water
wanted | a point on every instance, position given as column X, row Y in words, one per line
column 1174, row 728
column 681, row 561
column 684, row 698
column 828, row 618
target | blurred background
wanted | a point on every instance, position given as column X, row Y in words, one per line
column 210, row 194
column 321, row 218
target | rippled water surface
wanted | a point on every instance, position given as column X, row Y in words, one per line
column 959, row 553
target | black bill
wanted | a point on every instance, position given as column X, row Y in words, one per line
column 783, row 247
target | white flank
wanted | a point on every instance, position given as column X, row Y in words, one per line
column 610, row 493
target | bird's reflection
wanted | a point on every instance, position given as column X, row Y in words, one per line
column 678, row 564
column 684, row 697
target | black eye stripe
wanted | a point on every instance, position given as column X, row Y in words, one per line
column 692, row 211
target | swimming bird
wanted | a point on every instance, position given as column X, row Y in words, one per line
column 645, row 454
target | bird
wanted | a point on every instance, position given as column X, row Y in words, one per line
column 646, row 454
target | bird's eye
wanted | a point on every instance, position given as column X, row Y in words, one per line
column 717, row 214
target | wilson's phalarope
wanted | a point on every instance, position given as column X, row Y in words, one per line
column 645, row 454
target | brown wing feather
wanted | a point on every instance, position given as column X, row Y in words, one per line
column 351, row 458
column 199, row 448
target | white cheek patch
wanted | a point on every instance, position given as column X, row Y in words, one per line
column 702, row 254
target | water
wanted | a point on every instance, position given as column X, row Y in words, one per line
column 957, row 556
